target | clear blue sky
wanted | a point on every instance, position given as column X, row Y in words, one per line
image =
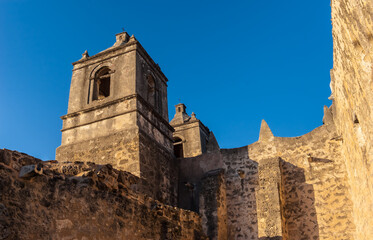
column 233, row 63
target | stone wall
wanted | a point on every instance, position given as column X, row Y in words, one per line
column 190, row 173
column 315, row 199
column 145, row 67
column 137, row 139
column 83, row 201
column 352, row 85
column 281, row 188
column 99, row 121
column 157, row 165
column 213, row 205
column 157, row 170
column 242, row 181
column 150, row 122
column 120, row 149
column 268, row 199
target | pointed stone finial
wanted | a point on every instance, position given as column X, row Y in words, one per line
column 265, row 134
column 85, row 55
column 132, row 39
column 193, row 116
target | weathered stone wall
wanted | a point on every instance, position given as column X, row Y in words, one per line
column 145, row 66
column 95, row 122
column 352, row 85
column 190, row 173
column 133, row 151
column 157, row 170
column 213, row 205
column 120, row 149
column 150, row 122
column 83, row 201
column 289, row 188
column 315, row 199
column 157, row 163
column 268, row 199
column 242, row 181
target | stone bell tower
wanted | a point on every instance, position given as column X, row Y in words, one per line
column 118, row 115
column 191, row 136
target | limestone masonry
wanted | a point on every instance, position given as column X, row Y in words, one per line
column 124, row 171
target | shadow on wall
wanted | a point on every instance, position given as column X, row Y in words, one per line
column 188, row 192
column 191, row 171
column 188, row 197
column 297, row 198
column 299, row 219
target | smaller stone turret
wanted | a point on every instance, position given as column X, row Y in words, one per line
column 191, row 137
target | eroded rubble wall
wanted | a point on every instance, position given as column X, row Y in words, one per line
column 352, row 94
column 83, row 201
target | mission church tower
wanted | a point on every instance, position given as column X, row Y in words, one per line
column 117, row 114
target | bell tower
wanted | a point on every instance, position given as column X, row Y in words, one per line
column 191, row 136
column 117, row 114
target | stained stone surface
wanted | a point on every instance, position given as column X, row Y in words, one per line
column 83, row 201
column 213, row 204
column 352, row 94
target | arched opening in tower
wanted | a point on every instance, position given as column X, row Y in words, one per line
column 102, row 84
column 178, row 147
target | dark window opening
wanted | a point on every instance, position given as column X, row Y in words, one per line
column 101, row 88
column 178, row 148
column 356, row 120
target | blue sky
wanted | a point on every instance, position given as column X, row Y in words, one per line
column 233, row 63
